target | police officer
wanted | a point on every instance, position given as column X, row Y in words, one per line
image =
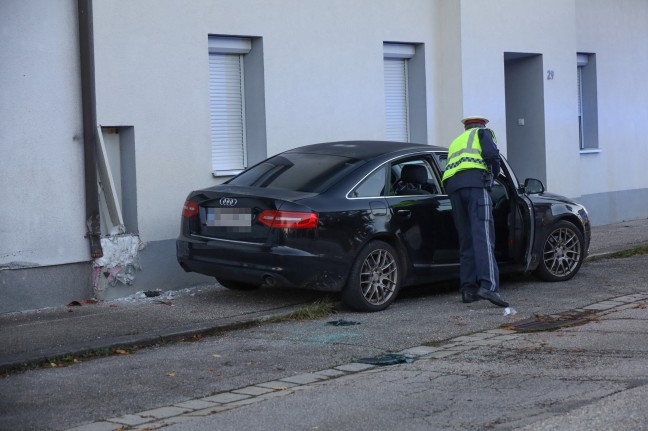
column 473, row 162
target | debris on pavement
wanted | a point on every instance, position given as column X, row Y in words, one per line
column 508, row 311
column 342, row 322
column 84, row 302
column 169, row 303
column 541, row 322
column 387, row 359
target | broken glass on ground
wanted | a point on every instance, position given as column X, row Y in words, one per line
column 342, row 322
column 387, row 359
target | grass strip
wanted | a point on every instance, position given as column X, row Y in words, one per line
column 637, row 251
column 321, row 308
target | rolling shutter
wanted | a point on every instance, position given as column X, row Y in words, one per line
column 227, row 112
column 396, row 115
column 396, row 90
column 227, row 103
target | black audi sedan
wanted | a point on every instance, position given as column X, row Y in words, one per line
column 366, row 218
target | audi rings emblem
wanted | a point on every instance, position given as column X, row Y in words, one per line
column 228, row 202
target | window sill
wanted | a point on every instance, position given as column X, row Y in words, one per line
column 226, row 173
column 591, row 151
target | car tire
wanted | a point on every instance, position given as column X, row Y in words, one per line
column 563, row 252
column 237, row 285
column 374, row 279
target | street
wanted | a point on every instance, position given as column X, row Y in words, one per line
column 516, row 382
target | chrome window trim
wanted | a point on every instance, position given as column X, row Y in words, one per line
column 347, row 196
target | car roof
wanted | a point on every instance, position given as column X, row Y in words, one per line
column 364, row 150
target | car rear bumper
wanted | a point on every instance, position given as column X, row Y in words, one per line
column 262, row 264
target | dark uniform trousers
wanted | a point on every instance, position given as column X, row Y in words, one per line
column 473, row 217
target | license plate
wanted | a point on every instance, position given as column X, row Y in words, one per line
column 236, row 219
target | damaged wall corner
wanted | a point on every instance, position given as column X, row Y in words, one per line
column 119, row 263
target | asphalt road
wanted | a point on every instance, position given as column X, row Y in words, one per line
column 477, row 390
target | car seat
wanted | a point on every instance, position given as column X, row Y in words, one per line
column 413, row 178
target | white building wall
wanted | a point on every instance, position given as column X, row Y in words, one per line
column 525, row 26
column 42, row 207
column 323, row 67
column 447, row 74
column 616, row 177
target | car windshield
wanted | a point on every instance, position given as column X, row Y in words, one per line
column 304, row 172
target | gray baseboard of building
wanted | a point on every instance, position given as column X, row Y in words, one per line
column 615, row 207
column 32, row 288
column 160, row 270
column 45, row 286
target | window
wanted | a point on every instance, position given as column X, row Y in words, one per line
column 587, row 102
column 301, row 172
column 405, row 96
column 372, row 186
column 236, row 83
column 413, row 177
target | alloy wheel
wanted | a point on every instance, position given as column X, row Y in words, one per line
column 562, row 252
column 378, row 277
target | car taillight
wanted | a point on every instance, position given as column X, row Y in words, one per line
column 189, row 209
column 288, row 219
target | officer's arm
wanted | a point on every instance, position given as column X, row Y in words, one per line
column 490, row 153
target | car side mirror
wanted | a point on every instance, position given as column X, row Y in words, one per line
column 533, row 186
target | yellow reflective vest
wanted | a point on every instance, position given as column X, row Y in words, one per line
column 465, row 153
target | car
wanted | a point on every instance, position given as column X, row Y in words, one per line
column 365, row 219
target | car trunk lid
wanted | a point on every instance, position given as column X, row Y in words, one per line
column 242, row 213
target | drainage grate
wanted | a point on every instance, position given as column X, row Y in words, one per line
column 551, row 323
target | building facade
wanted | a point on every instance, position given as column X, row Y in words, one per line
column 186, row 94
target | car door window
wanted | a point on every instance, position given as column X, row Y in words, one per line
column 372, row 186
column 413, row 177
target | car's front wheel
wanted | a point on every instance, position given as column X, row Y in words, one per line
column 374, row 279
column 236, row 285
column 562, row 252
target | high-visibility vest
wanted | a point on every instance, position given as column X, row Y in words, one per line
column 465, row 153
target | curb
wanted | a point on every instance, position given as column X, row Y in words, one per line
column 19, row 361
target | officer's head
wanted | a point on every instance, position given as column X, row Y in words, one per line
column 474, row 121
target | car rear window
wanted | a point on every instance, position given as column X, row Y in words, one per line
column 303, row 172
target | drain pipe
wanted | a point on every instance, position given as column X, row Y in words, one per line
column 88, row 104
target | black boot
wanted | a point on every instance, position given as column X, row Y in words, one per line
column 493, row 297
column 468, row 297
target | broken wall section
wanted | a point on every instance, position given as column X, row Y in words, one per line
column 118, row 210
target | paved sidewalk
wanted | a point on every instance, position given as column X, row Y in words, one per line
column 33, row 337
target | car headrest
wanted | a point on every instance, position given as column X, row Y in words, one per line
column 414, row 174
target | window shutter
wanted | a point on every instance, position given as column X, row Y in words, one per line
column 227, row 113
column 396, row 101
column 579, row 84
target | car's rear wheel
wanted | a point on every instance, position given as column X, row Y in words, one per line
column 374, row 279
column 562, row 252
column 237, row 285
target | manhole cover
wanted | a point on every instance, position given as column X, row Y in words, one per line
column 551, row 323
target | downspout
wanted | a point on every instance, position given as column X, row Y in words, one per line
column 88, row 104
